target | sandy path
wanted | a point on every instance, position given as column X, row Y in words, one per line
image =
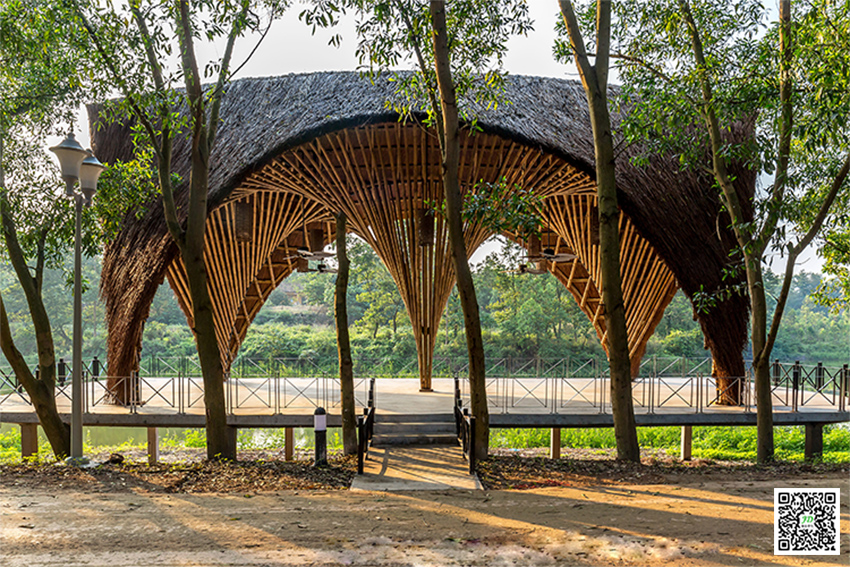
column 692, row 524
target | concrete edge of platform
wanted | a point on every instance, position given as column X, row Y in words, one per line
column 517, row 420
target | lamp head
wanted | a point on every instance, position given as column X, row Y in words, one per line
column 71, row 155
column 90, row 170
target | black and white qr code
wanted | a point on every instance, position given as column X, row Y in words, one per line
column 805, row 521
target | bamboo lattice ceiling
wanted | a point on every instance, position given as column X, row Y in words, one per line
column 381, row 176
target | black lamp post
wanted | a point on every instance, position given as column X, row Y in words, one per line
column 77, row 164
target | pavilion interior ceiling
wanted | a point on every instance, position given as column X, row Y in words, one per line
column 385, row 178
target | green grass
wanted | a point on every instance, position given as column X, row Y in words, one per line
column 718, row 443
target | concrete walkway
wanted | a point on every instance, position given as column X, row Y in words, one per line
column 415, row 468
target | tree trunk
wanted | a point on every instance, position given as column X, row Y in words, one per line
column 594, row 78
column 625, row 429
column 221, row 443
column 450, row 145
column 346, row 367
column 40, row 391
column 761, row 362
column 752, row 250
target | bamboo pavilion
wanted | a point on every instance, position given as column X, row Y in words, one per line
column 293, row 151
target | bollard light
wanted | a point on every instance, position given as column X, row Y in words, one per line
column 320, row 429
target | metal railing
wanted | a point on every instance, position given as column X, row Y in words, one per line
column 366, row 428
column 527, row 385
column 464, row 426
column 793, row 388
column 183, row 394
column 466, row 438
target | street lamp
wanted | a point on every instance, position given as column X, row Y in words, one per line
column 77, row 164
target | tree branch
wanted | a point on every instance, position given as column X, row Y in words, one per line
column 603, row 42
column 576, row 42
column 785, row 124
column 798, row 248
column 39, row 258
column 119, row 79
column 11, row 352
column 224, row 72
column 732, row 202
column 423, row 69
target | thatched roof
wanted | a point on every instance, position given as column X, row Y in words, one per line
column 676, row 211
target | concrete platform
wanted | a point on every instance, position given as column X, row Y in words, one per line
column 415, row 468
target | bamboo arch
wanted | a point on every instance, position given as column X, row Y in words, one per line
column 301, row 148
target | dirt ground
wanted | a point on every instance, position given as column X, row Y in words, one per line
column 689, row 520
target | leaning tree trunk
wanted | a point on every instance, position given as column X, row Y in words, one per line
column 40, row 390
column 594, row 79
column 346, row 366
column 450, row 145
column 221, row 438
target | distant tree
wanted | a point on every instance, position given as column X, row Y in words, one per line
column 378, row 292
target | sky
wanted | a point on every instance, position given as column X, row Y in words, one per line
column 290, row 47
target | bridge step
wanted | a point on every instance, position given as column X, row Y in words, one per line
column 413, row 418
column 424, row 429
column 432, row 428
column 394, row 439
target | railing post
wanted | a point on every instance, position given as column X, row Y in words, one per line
column 795, row 384
column 819, row 376
column 361, row 443
column 777, row 372
column 471, row 444
column 652, row 382
column 457, row 388
column 700, row 387
column 367, row 423
column 464, row 432
column 458, row 406
column 132, row 393
column 84, row 392
column 371, row 400
column 320, row 431
column 843, row 387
